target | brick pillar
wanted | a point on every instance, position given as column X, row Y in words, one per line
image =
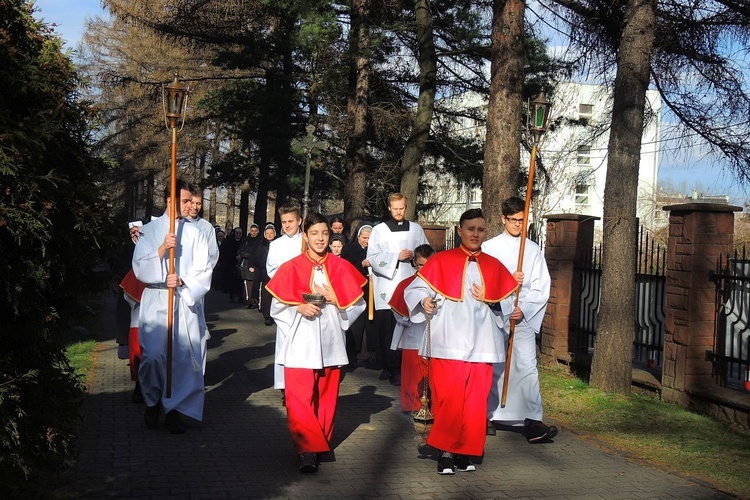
column 568, row 237
column 698, row 234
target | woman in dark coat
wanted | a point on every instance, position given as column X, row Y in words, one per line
column 356, row 253
column 229, row 255
column 247, row 270
column 260, row 255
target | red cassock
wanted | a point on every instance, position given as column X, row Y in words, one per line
column 413, row 366
column 461, row 387
column 134, row 290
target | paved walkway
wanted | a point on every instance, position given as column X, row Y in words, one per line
column 242, row 449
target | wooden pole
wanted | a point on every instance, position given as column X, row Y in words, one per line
column 519, row 267
column 172, row 217
column 370, row 296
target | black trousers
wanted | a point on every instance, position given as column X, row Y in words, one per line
column 384, row 323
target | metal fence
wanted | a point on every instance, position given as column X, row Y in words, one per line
column 731, row 351
column 650, row 281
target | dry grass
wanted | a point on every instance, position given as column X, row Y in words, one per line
column 652, row 430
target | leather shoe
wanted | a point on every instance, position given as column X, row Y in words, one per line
column 173, row 423
column 395, row 379
column 491, row 431
column 308, row 463
column 151, row 417
column 137, row 396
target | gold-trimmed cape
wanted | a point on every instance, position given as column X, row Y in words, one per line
column 445, row 272
column 295, row 277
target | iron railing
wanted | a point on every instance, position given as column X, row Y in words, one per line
column 648, row 337
column 731, row 350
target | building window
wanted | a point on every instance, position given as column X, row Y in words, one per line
column 584, row 156
column 582, row 197
column 585, row 111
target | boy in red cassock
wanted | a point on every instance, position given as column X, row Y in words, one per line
column 313, row 347
column 458, row 289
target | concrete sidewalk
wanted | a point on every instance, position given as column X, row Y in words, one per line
column 242, row 449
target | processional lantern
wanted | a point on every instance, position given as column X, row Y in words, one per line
column 537, row 125
column 174, row 102
column 538, row 116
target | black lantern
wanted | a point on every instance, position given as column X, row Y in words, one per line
column 538, row 116
column 174, row 97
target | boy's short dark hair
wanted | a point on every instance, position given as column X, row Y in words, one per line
column 181, row 184
column 312, row 219
column 425, row 251
column 472, row 213
column 513, row 205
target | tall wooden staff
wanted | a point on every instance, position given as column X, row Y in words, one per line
column 174, row 100
column 537, row 125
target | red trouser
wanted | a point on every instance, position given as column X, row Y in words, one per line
column 134, row 352
column 413, row 371
column 311, row 397
column 459, row 402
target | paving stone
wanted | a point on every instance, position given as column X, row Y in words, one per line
column 242, row 449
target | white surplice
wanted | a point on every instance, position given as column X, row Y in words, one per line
column 282, row 249
column 192, row 264
column 383, row 248
column 466, row 330
column 523, row 398
column 407, row 335
column 315, row 342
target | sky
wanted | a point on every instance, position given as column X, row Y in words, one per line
column 684, row 171
column 69, row 16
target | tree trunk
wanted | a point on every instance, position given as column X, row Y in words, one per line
column 420, row 131
column 611, row 369
column 261, row 200
column 212, row 207
column 357, row 110
column 229, row 222
column 244, row 207
column 502, row 154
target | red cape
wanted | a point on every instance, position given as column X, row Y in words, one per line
column 445, row 273
column 132, row 287
column 295, row 277
column 397, row 301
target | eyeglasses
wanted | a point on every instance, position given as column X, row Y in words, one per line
column 514, row 220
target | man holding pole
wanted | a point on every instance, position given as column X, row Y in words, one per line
column 190, row 281
column 524, row 401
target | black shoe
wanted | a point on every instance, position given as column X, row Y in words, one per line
column 464, row 464
column 308, row 463
column 395, row 379
column 137, row 396
column 491, row 431
column 283, row 397
column 372, row 364
column 537, row 432
column 151, row 417
column 269, row 322
column 173, row 423
column 252, row 306
column 445, row 463
column 384, row 375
